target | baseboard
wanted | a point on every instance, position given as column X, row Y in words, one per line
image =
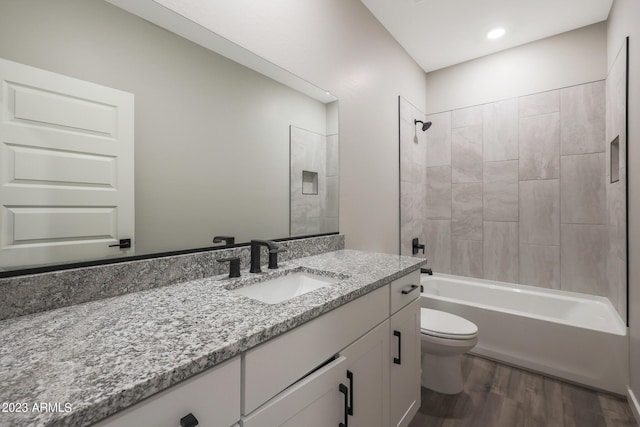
column 633, row 402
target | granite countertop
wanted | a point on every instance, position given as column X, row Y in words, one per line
column 91, row 360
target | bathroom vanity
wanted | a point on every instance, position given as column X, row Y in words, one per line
column 199, row 352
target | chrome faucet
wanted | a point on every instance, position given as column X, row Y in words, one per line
column 274, row 249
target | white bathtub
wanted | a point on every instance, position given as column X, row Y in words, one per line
column 576, row 337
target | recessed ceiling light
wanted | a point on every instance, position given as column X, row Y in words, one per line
column 495, row 33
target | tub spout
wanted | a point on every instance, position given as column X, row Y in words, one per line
column 426, row 270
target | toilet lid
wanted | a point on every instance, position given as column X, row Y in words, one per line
column 446, row 325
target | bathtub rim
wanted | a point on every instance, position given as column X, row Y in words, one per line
column 619, row 328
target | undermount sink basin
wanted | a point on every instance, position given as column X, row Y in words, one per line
column 284, row 288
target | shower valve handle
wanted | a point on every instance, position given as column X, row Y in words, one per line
column 416, row 246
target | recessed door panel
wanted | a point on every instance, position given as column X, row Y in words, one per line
column 69, row 223
column 41, row 166
column 47, row 108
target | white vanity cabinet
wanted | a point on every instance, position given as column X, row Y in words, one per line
column 405, row 349
column 292, row 379
column 338, row 369
column 212, row 398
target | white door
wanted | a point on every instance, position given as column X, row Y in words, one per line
column 66, row 168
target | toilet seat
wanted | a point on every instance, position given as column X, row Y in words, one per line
column 441, row 324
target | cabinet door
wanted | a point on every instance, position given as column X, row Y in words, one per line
column 314, row 401
column 367, row 376
column 405, row 364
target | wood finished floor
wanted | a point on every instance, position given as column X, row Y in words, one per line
column 497, row 395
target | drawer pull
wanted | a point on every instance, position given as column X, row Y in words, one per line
column 350, row 377
column 398, row 360
column 188, row 420
column 409, row 289
column 343, row 389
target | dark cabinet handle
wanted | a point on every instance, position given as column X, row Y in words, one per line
column 124, row 244
column 350, row 378
column 411, row 288
column 188, row 421
column 398, row 360
column 343, row 389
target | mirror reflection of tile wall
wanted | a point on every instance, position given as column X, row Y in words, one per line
column 519, row 190
column 314, row 182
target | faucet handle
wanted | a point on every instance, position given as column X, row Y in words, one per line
column 273, row 257
column 234, row 266
column 228, row 240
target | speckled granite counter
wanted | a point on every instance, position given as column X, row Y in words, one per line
column 102, row 356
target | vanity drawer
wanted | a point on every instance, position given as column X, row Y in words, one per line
column 213, row 397
column 410, row 285
column 280, row 362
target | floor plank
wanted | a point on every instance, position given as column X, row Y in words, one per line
column 497, row 395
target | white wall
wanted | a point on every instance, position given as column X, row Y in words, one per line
column 340, row 46
column 623, row 21
column 571, row 58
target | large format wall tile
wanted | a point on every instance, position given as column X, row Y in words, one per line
column 616, row 270
column 539, row 209
column 438, row 201
column 332, row 155
column 466, row 258
column 413, row 177
column 500, row 186
column 582, row 185
column 466, row 211
column 466, row 154
column 539, row 147
column 439, row 139
column 540, row 266
column 616, row 105
column 539, row 103
column 438, row 245
column 411, row 216
column 500, row 121
column 616, row 88
column 308, row 153
column 582, row 113
column 583, row 259
column 413, row 144
column 471, row 116
column 332, row 205
column 617, row 233
column 500, row 251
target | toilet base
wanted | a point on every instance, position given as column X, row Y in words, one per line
column 442, row 373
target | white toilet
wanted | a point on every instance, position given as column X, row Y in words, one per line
column 444, row 338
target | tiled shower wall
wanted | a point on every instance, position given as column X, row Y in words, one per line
column 516, row 191
column 312, row 152
column 616, row 126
